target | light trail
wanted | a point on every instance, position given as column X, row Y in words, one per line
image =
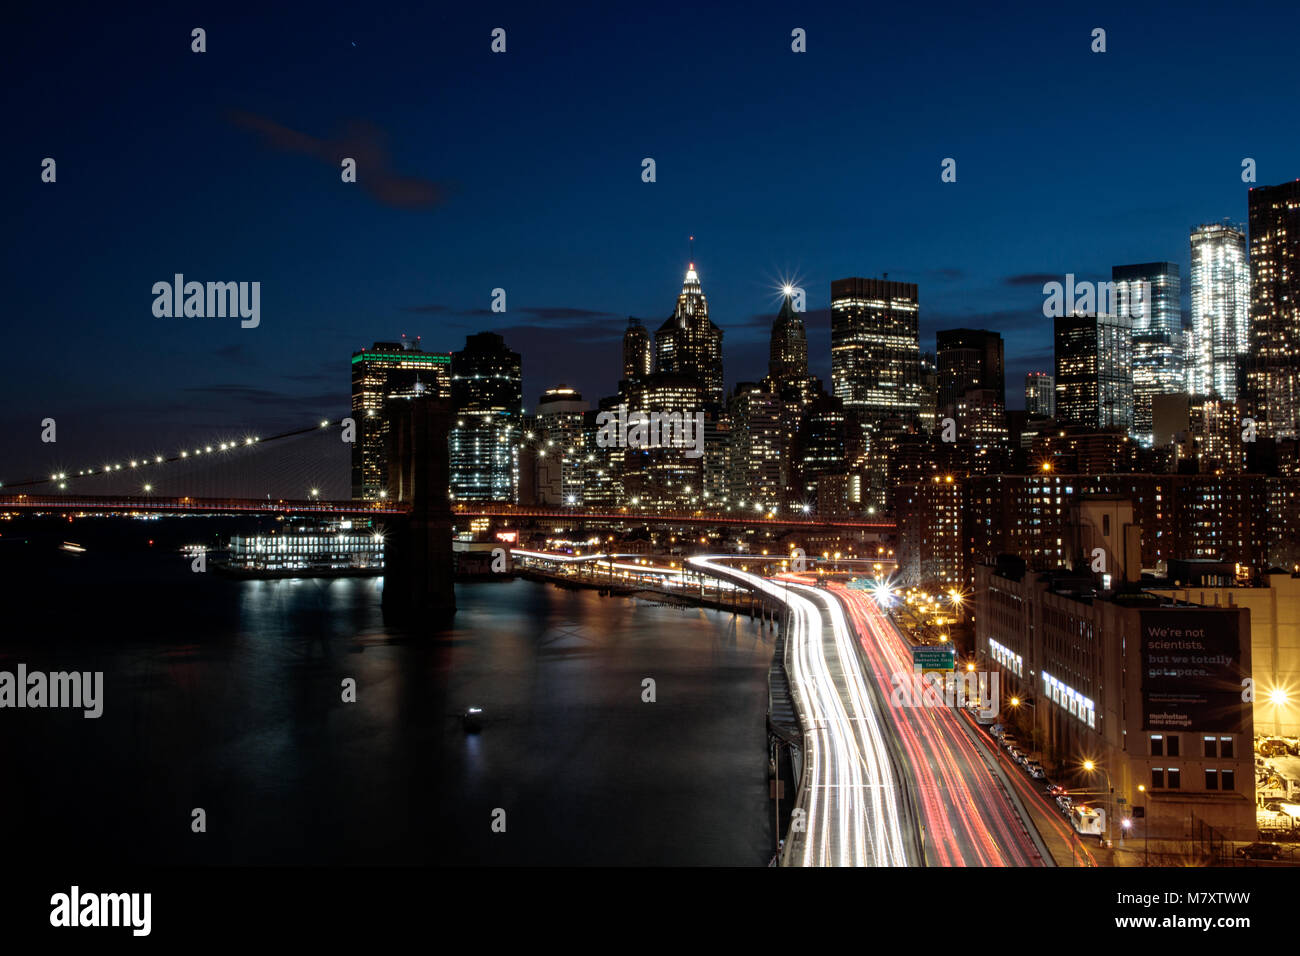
column 969, row 817
column 849, row 793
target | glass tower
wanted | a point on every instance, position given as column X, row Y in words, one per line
column 1220, row 309
column 1148, row 293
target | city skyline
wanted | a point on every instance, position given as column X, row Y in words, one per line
column 703, row 437
column 437, row 227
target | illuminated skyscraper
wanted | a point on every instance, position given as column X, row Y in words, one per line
column 388, row 370
column 559, row 444
column 1040, row 395
column 875, row 349
column 1148, row 294
column 487, row 391
column 929, row 393
column 688, row 343
column 787, row 363
column 1220, row 309
column 663, row 476
column 758, row 445
column 638, row 359
column 1273, row 370
column 1094, row 375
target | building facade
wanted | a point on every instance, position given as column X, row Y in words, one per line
column 1220, row 297
column 688, row 343
column 385, row 371
column 1130, row 695
column 1094, row 371
column 1273, row 370
column 1040, row 394
column 875, row 349
column 487, row 395
column 1148, row 294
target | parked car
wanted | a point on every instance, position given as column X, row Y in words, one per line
column 1009, row 741
column 997, row 730
column 1035, row 769
column 1056, row 790
column 1261, row 851
column 1065, row 803
column 1022, row 758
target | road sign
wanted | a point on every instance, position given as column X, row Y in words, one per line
column 934, row 658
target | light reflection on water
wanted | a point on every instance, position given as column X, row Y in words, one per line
column 227, row 695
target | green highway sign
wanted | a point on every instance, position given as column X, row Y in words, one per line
column 935, row 658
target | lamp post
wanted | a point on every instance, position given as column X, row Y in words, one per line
column 1090, row 766
column 1146, row 827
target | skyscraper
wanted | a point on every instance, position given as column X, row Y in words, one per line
column 1220, row 309
column 758, row 444
column 1273, row 370
column 487, row 392
column 559, row 444
column 929, row 393
column 875, row 349
column 1148, row 293
column 388, row 370
column 787, row 365
column 1094, row 375
column 968, row 358
column 1040, row 395
column 638, row 359
column 663, row 476
column 688, row 343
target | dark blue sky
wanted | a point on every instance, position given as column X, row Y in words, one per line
column 522, row 171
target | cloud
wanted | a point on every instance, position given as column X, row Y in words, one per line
column 563, row 312
column 543, row 313
column 812, row 319
column 361, row 141
column 251, row 395
column 1032, row 278
column 235, row 354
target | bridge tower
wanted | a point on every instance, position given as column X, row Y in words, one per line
column 417, row 547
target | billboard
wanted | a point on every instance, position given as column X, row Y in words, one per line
column 1191, row 670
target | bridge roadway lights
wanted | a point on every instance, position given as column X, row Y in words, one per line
column 417, row 546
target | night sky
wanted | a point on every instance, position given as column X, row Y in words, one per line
column 523, row 171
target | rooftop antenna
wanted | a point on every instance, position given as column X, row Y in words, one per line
column 691, row 249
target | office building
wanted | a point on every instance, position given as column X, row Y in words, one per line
column 1129, row 695
column 638, row 357
column 968, row 358
column 487, row 394
column 1148, row 294
column 558, row 441
column 875, row 349
column 1094, row 371
column 388, row 370
column 1273, row 370
column 689, row 344
column 1040, row 395
column 1220, row 296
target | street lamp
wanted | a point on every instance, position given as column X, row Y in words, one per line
column 1090, row 767
column 1146, row 827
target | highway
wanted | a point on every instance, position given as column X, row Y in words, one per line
column 850, row 796
column 969, row 818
